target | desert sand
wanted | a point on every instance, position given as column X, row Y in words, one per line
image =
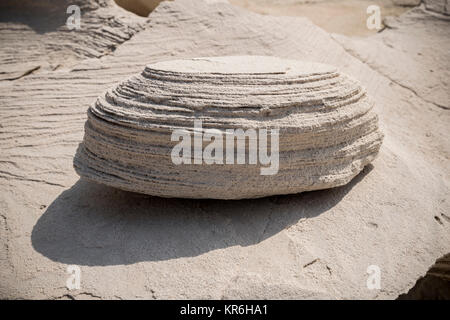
column 395, row 214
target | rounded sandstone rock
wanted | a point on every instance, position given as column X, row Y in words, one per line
column 320, row 120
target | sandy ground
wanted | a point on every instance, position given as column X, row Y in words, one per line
column 394, row 215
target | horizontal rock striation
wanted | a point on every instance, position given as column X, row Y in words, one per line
column 327, row 129
column 439, row 6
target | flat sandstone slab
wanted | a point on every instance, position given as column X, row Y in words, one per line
column 309, row 245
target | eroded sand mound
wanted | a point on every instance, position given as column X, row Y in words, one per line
column 327, row 131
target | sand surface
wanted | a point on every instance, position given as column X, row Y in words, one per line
column 395, row 214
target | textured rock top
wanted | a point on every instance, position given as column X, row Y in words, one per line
column 242, row 65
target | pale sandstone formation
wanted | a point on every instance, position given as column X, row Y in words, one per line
column 36, row 35
column 327, row 130
column 403, row 41
column 347, row 17
column 310, row 245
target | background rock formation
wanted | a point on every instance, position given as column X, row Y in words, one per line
column 346, row 17
column 140, row 7
column 419, row 72
column 35, row 37
column 316, row 244
column 439, row 6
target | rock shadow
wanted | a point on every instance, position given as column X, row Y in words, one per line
column 95, row 225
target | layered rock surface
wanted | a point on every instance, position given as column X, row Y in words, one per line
column 309, row 245
column 327, row 131
column 35, row 36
